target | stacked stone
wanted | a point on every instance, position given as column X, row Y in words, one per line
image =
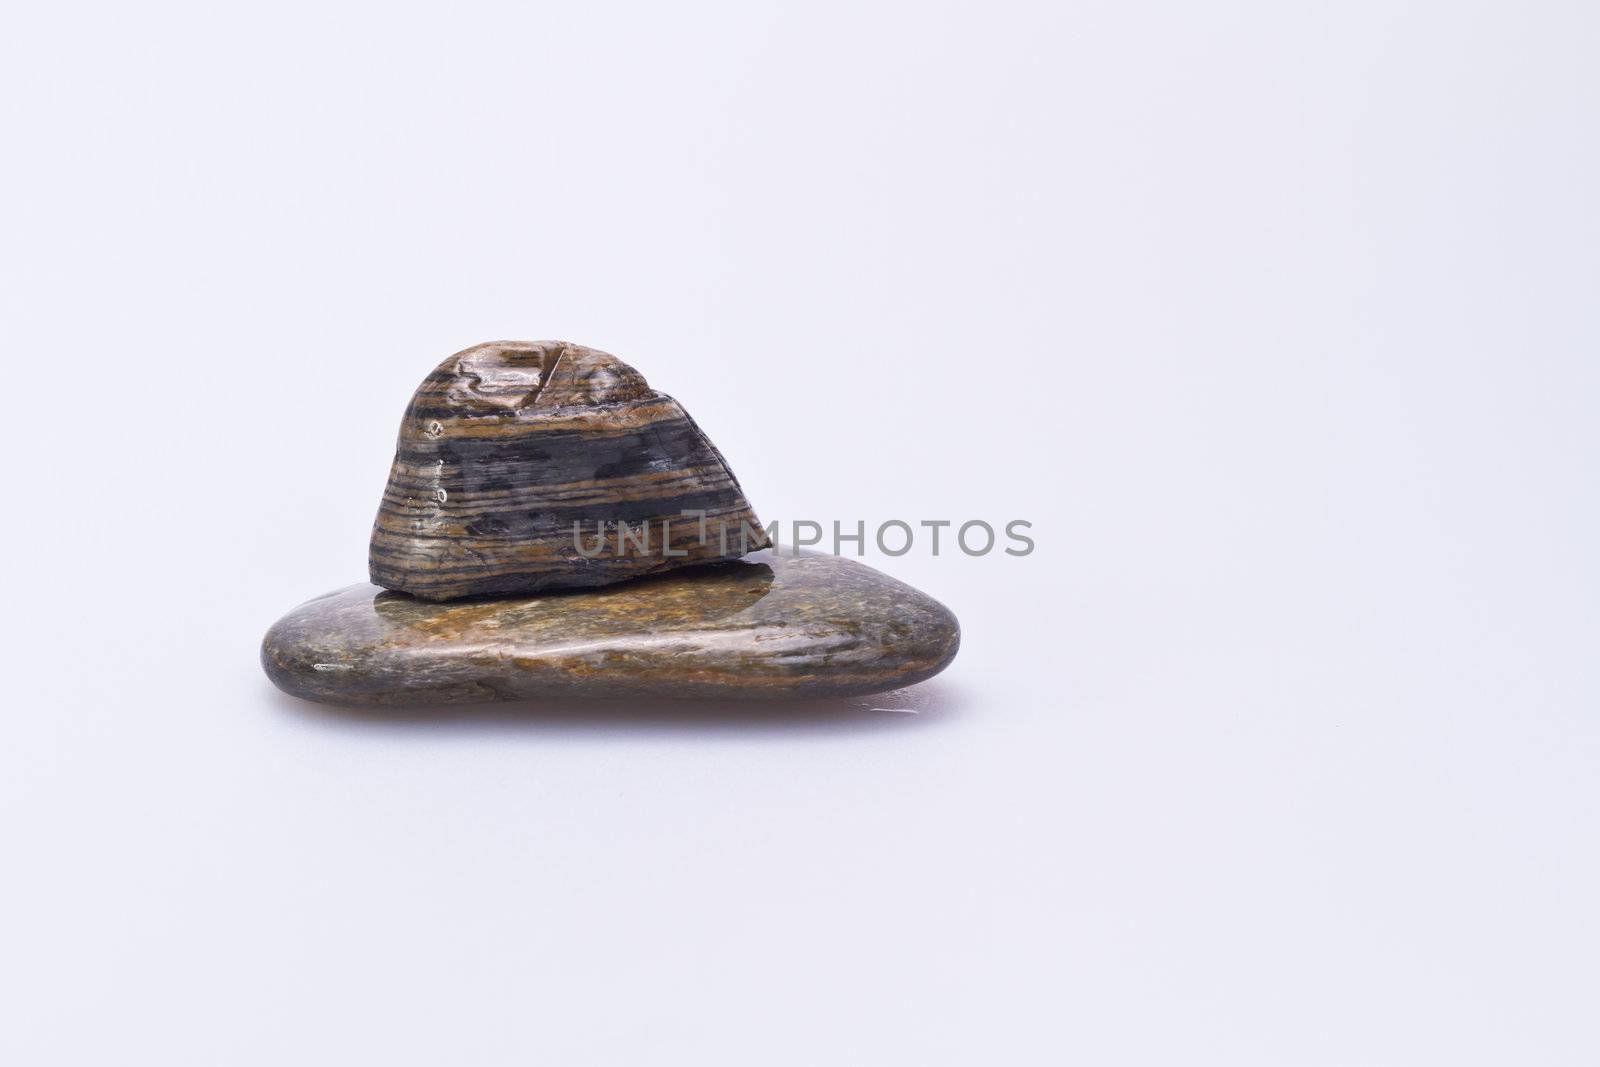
column 619, row 551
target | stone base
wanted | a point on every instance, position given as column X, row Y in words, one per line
column 770, row 626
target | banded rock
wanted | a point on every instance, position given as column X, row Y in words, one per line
column 507, row 445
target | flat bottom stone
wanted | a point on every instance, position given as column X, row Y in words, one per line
column 768, row 626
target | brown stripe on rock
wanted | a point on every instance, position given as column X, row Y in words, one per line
column 409, row 489
column 626, row 417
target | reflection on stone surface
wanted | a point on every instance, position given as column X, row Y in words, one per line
column 771, row 626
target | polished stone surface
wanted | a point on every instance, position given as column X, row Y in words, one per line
column 771, row 626
column 507, row 446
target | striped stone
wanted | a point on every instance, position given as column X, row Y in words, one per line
column 524, row 466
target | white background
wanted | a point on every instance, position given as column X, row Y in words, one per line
column 1277, row 320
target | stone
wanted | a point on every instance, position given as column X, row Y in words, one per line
column 771, row 626
column 507, row 445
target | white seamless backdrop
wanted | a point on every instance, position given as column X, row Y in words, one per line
column 1276, row 320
